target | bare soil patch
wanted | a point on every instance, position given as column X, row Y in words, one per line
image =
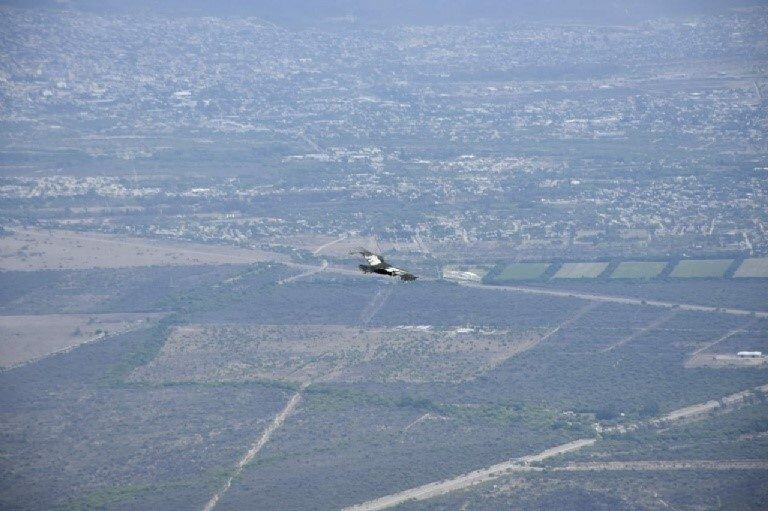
column 723, row 360
column 38, row 249
column 24, row 339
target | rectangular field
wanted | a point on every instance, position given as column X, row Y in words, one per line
column 27, row 338
column 523, row 271
column 580, row 270
column 638, row 270
column 753, row 267
column 302, row 353
column 700, row 268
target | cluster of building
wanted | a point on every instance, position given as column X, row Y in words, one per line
column 545, row 140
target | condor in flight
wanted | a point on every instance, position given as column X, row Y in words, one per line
column 377, row 264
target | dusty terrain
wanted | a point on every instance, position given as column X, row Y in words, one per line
column 38, row 249
column 723, row 360
column 27, row 338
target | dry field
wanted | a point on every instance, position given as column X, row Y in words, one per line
column 38, row 249
column 24, row 339
column 721, row 361
column 303, row 353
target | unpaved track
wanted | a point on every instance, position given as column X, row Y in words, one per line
column 322, row 247
column 634, row 335
column 431, row 490
column 618, row 299
column 323, row 266
column 569, row 321
column 377, row 302
column 726, row 403
column 256, row 447
column 562, row 326
column 725, row 337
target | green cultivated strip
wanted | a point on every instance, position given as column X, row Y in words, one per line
column 694, row 268
column 580, row 270
column 638, row 270
column 523, row 271
column 753, row 267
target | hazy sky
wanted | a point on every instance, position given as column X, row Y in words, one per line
column 410, row 11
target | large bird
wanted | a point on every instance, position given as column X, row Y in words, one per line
column 377, row 264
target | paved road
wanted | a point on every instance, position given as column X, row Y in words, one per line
column 618, row 299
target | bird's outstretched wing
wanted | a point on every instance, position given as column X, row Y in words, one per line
column 397, row 272
column 373, row 259
column 377, row 264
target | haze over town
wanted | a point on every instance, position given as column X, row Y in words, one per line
column 580, row 188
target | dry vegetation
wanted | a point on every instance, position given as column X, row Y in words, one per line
column 27, row 338
column 723, row 361
column 37, row 249
column 309, row 353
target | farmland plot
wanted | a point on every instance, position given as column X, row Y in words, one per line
column 638, row 270
column 580, row 270
column 753, row 267
column 701, row 268
column 301, row 353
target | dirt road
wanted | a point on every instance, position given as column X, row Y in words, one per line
column 256, row 447
column 728, row 402
column 651, row 326
column 323, row 266
column 432, row 490
column 322, row 247
column 374, row 306
column 725, row 337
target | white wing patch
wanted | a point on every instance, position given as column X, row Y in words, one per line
column 395, row 271
column 373, row 259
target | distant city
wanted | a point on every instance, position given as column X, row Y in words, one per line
column 562, row 207
column 527, row 141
